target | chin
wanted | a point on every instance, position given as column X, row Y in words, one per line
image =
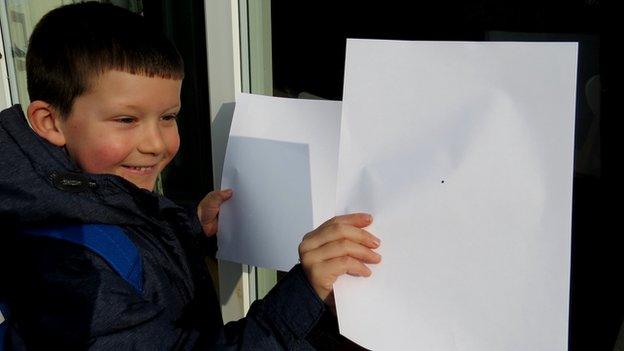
column 143, row 184
column 147, row 186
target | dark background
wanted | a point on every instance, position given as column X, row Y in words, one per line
column 308, row 56
column 189, row 177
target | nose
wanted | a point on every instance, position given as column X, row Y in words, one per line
column 152, row 141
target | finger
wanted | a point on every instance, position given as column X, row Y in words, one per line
column 338, row 248
column 209, row 206
column 210, row 228
column 217, row 197
column 359, row 220
column 327, row 272
column 337, row 231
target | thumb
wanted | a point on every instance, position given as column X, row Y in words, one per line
column 209, row 207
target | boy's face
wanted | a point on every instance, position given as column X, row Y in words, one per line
column 125, row 124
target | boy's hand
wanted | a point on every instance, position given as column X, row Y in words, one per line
column 336, row 247
column 208, row 210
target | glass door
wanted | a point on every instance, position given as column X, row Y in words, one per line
column 257, row 78
column 5, row 93
column 18, row 19
column 238, row 40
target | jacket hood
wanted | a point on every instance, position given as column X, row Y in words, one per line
column 41, row 185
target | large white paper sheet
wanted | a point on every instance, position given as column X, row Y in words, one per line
column 463, row 154
column 281, row 161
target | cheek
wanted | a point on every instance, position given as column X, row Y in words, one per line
column 173, row 143
column 102, row 157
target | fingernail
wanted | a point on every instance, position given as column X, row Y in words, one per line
column 369, row 218
column 228, row 191
column 375, row 241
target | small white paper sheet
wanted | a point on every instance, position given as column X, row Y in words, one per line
column 281, row 161
column 462, row 152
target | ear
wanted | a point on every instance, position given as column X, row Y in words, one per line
column 46, row 122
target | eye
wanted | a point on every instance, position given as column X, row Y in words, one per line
column 126, row 119
column 171, row 117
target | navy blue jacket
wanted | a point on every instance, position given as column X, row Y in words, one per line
column 63, row 296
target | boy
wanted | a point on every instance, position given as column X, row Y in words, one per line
column 105, row 98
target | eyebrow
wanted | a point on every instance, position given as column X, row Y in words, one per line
column 135, row 108
column 176, row 107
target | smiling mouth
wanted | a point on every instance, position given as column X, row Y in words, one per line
column 140, row 169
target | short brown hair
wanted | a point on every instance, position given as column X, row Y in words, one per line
column 73, row 44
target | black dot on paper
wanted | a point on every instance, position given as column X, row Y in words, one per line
column 443, row 182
